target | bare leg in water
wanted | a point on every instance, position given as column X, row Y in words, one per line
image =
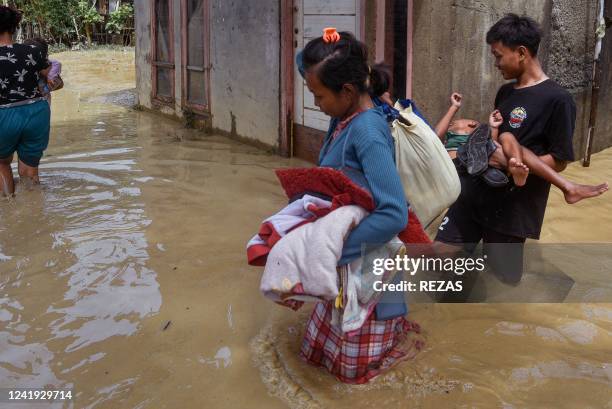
column 7, row 183
column 28, row 174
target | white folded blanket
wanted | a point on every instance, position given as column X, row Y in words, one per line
column 308, row 256
column 303, row 266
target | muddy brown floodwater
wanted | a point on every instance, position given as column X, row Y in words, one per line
column 124, row 278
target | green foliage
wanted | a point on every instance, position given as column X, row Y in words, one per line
column 87, row 13
column 119, row 18
column 68, row 20
column 50, row 18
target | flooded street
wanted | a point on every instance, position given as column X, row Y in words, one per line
column 123, row 277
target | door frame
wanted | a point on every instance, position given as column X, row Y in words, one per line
column 162, row 100
column 382, row 18
column 287, row 56
column 287, row 78
column 198, row 108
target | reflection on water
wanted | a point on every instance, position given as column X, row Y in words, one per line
column 74, row 266
column 123, row 277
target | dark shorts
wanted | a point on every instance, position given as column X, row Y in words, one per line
column 25, row 129
column 460, row 227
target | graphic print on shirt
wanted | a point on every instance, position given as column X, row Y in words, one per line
column 8, row 57
column 517, row 116
column 20, row 75
column 19, row 91
column 30, row 60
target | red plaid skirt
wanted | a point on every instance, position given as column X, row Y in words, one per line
column 356, row 359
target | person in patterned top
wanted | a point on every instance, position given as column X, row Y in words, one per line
column 24, row 113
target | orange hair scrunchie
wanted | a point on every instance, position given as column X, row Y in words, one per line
column 330, row 35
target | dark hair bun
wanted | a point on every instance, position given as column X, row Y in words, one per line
column 380, row 79
column 9, row 19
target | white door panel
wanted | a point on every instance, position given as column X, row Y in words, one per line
column 311, row 17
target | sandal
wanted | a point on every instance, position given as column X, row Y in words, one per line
column 477, row 150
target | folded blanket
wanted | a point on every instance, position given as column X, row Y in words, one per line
column 348, row 285
column 308, row 256
column 302, row 267
column 300, row 211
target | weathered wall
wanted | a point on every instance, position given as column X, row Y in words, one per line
column 603, row 130
column 142, row 14
column 245, row 76
column 451, row 54
column 244, row 57
column 570, row 56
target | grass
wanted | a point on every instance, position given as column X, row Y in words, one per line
column 60, row 48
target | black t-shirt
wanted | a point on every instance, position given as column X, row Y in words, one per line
column 19, row 67
column 542, row 117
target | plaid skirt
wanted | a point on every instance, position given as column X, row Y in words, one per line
column 359, row 357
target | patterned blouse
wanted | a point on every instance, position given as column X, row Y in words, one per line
column 19, row 68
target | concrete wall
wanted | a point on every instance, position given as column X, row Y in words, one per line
column 450, row 53
column 603, row 131
column 570, row 57
column 245, row 77
column 142, row 24
column 244, row 57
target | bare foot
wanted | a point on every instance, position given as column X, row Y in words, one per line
column 578, row 192
column 519, row 171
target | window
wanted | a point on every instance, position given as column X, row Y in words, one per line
column 195, row 54
column 163, row 61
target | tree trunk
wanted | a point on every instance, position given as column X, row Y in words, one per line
column 76, row 27
column 88, row 34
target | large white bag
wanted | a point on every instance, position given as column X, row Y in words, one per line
column 428, row 174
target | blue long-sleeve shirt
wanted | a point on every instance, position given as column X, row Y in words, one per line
column 369, row 160
column 369, row 155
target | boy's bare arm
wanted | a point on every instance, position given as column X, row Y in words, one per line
column 444, row 123
column 556, row 164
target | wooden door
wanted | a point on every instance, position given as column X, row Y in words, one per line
column 311, row 17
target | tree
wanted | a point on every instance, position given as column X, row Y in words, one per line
column 118, row 19
column 51, row 19
column 88, row 16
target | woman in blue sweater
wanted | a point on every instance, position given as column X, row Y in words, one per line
column 359, row 143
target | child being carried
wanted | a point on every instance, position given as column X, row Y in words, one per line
column 455, row 133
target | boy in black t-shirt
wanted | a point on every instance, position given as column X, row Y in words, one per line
column 522, row 161
column 541, row 116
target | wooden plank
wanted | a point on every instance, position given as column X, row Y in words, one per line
column 287, row 82
column 410, row 50
column 307, row 143
column 316, row 119
column 329, row 7
column 380, row 31
column 314, row 25
column 298, row 90
column 309, row 100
